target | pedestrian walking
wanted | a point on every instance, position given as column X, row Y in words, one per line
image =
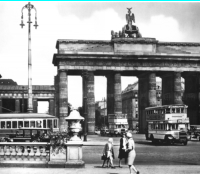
column 122, row 149
column 131, row 153
column 108, row 152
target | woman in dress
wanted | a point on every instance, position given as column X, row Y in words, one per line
column 109, row 153
column 131, row 153
column 122, row 149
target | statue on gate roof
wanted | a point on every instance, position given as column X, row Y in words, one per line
column 130, row 29
column 130, row 16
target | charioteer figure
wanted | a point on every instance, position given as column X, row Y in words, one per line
column 130, row 28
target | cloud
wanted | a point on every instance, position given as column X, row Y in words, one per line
column 163, row 28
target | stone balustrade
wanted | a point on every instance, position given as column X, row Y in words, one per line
column 40, row 154
column 21, row 153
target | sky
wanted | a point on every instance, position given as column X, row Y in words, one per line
column 165, row 21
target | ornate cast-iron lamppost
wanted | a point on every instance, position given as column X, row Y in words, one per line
column 29, row 7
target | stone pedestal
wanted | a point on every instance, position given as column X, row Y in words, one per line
column 57, row 160
column 74, row 155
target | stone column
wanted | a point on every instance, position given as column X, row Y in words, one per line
column 146, row 97
column 51, row 107
column 134, row 119
column 63, row 99
column 90, row 103
column 117, row 94
column 35, row 105
column 171, row 88
column 56, row 96
column 110, row 94
column 0, row 105
column 84, row 102
column 17, row 105
column 191, row 96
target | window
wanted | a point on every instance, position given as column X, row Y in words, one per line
column 20, row 124
column 8, row 124
column 182, row 110
column 55, row 124
column 38, row 124
column 32, row 124
column 167, row 111
column 178, row 110
column 14, row 124
column 3, row 125
column 49, row 123
column 26, row 124
column 173, row 110
column 44, row 124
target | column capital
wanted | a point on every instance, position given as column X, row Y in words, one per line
column 144, row 74
column 171, row 73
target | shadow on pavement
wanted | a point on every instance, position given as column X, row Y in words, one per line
column 148, row 143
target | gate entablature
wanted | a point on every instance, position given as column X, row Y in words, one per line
column 126, row 54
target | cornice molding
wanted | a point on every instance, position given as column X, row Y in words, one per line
column 178, row 44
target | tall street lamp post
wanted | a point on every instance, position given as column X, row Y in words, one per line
column 29, row 7
column 22, row 99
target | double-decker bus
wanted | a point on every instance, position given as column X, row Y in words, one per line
column 167, row 123
column 24, row 126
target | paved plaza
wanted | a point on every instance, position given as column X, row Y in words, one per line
column 150, row 159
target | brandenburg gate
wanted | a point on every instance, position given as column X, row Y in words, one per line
column 127, row 55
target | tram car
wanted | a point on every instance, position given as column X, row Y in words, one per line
column 26, row 127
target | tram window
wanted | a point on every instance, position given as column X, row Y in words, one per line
column 44, row 124
column 32, row 124
column 55, row 123
column 20, row 123
column 173, row 126
column 38, row 124
column 8, row 124
column 49, row 123
column 173, row 110
column 14, row 124
column 3, row 124
column 26, row 124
